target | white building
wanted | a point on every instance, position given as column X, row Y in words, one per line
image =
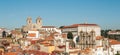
column 76, row 28
column 50, row 29
column 30, row 26
column 116, row 48
column 99, row 40
column 87, row 33
column 33, row 34
column 115, row 45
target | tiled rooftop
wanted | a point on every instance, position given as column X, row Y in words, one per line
column 99, row 37
column 113, row 42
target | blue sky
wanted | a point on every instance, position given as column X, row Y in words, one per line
column 105, row 13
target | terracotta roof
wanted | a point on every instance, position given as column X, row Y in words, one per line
column 32, row 34
column 35, row 52
column 48, row 26
column 113, row 42
column 11, row 53
column 99, row 37
column 33, row 42
column 76, row 25
column 99, row 46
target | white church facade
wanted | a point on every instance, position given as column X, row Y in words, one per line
column 32, row 26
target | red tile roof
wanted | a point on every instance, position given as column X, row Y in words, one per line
column 99, row 46
column 113, row 42
column 76, row 25
column 99, row 37
column 36, row 52
column 11, row 53
column 32, row 34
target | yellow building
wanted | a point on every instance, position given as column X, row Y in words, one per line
column 46, row 47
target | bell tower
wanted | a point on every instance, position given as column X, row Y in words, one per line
column 29, row 20
column 39, row 21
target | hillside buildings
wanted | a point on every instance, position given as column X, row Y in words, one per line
column 36, row 39
column 114, row 34
column 37, row 26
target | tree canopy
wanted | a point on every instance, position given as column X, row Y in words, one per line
column 69, row 35
column 61, row 26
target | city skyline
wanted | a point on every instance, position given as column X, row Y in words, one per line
column 105, row 13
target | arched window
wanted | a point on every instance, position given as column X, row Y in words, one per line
column 81, row 33
column 92, row 33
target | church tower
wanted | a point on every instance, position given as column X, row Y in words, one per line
column 29, row 20
column 39, row 22
column 29, row 23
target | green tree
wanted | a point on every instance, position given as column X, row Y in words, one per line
column 105, row 33
column 102, row 32
column 61, row 26
column 69, row 35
